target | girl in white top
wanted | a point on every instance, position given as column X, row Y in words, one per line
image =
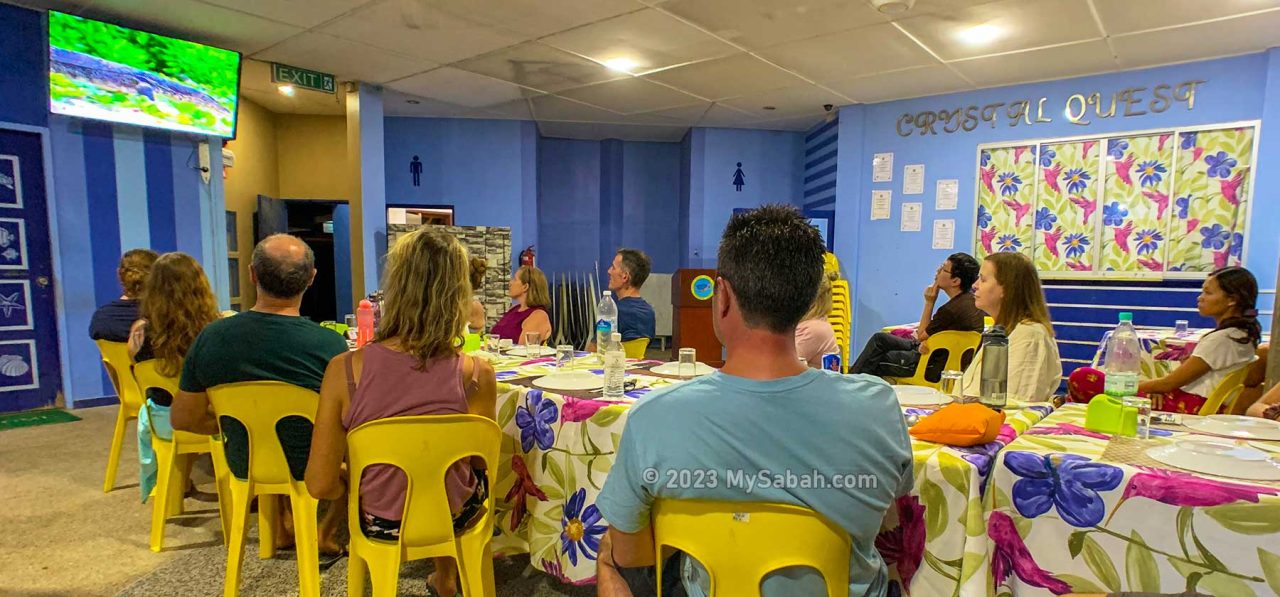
column 1008, row 289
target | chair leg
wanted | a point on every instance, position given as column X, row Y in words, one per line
column 384, row 573
column 221, row 478
column 177, row 484
column 163, row 495
column 356, row 570
column 475, row 565
column 268, row 514
column 117, row 442
column 241, row 493
column 307, row 544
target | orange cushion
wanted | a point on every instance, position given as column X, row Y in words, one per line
column 966, row 424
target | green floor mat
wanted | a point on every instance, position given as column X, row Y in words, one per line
column 32, row 418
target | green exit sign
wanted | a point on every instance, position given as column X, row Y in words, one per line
column 301, row 77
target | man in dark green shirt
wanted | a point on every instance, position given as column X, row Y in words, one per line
column 272, row 342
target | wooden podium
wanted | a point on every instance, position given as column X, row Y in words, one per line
column 691, row 291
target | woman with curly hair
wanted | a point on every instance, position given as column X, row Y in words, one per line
column 177, row 303
column 113, row 320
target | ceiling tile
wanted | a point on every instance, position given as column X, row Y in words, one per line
column 873, row 49
column 800, row 100
column 629, row 95
column 1127, row 16
column 536, row 18
column 195, row 21
column 539, row 67
column 741, row 74
column 799, row 123
column 420, row 30
column 649, row 38
column 550, row 107
column 762, row 23
column 1022, row 25
column 304, row 102
column 721, row 115
column 1220, row 38
column 913, row 82
column 690, row 114
column 67, row 6
column 1039, row 65
column 460, row 87
column 515, row 109
column 303, row 13
column 348, row 60
column 395, row 103
column 596, row 132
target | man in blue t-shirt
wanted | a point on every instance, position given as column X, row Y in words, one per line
column 762, row 429
column 627, row 274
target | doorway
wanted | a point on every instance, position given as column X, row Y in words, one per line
column 326, row 227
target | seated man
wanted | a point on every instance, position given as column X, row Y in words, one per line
column 271, row 342
column 887, row 355
column 764, row 411
column 627, row 274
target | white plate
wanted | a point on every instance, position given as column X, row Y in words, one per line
column 570, row 381
column 920, row 396
column 1218, row 457
column 673, row 368
column 1235, row 426
column 539, row 351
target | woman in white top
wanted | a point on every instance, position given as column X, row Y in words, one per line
column 1008, row 289
column 814, row 335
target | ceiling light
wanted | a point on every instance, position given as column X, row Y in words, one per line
column 979, row 34
column 286, row 90
column 624, row 65
column 893, row 7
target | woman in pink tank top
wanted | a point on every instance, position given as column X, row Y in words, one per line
column 528, row 289
column 413, row 367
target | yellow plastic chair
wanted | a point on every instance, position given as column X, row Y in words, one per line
column 960, row 347
column 173, row 458
column 259, row 405
column 635, row 348
column 115, row 357
column 741, row 542
column 1226, row 393
column 423, row 447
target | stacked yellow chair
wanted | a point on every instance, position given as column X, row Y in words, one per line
column 115, row 357
column 841, row 318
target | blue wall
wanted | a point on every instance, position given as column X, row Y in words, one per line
column 651, row 202
column 24, row 58
column 568, row 205
column 485, row 169
column 891, row 268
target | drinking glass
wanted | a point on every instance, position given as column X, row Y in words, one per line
column 564, row 356
column 804, row 361
column 949, row 385
column 1180, row 327
column 532, row 342
column 505, row 344
column 352, row 330
column 493, row 343
column 688, row 364
column 1143, row 405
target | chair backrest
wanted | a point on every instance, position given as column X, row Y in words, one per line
column 634, row 349
column 115, row 356
column 960, row 347
column 259, row 406
column 148, row 375
column 424, row 447
column 1226, row 392
column 741, row 542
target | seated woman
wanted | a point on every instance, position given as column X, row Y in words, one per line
column 112, row 321
column 1253, row 381
column 1228, row 296
column 815, row 336
column 413, row 367
column 529, row 289
column 475, row 316
column 1008, row 289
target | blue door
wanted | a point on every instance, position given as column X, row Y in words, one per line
column 29, row 368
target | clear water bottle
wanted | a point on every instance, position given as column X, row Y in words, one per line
column 615, row 367
column 606, row 321
column 1122, row 361
column 994, row 387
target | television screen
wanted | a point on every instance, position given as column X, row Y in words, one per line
column 107, row 72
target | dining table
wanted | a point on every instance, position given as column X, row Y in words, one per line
column 1163, row 349
column 1070, row 510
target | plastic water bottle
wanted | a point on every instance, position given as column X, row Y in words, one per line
column 1123, row 363
column 615, row 367
column 994, row 386
column 364, row 323
column 606, row 321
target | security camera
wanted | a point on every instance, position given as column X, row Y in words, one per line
column 827, row 107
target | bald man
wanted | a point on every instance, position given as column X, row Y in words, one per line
column 272, row 342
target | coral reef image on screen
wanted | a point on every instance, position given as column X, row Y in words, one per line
column 107, row 72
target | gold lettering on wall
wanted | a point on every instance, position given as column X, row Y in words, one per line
column 1077, row 107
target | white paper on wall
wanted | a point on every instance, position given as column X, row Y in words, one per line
column 881, row 204
column 948, row 195
column 944, row 234
column 882, row 168
column 911, row 213
column 913, row 179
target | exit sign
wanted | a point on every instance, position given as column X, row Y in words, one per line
column 301, row 77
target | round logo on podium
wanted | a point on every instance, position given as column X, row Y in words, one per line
column 703, row 287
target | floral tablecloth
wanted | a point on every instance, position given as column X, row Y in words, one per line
column 1063, row 519
column 1162, row 349
column 934, row 539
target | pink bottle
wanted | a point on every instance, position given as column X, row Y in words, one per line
column 364, row 323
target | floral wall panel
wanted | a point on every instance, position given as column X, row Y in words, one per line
column 1006, row 196
column 1135, row 202
column 1211, row 199
column 1066, row 214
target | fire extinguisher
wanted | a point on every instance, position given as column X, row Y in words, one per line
column 526, row 257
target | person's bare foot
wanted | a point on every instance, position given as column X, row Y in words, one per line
column 284, row 540
column 331, row 547
column 450, row 590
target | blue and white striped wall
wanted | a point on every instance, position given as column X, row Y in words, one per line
column 118, row 188
column 820, row 145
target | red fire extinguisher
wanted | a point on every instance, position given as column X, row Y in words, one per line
column 526, row 256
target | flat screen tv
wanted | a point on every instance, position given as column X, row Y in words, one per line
column 108, row 72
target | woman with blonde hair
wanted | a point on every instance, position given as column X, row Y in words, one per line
column 1008, row 289
column 528, row 289
column 413, row 367
column 814, row 335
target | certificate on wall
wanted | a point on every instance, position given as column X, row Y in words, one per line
column 882, row 168
column 911, row 213
column 913, row 179
column 948, row 195
column 944, row 234
column 881, row 204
